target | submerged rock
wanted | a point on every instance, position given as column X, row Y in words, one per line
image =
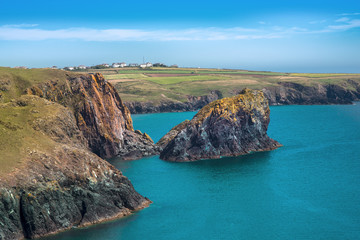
column 226, row 127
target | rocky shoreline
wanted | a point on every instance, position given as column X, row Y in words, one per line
column 285, row 93
column 53, row 137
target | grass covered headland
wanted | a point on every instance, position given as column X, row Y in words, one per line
column 176, row 84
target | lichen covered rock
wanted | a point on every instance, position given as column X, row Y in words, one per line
column 226, row 127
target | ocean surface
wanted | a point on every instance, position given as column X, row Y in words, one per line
column 308, row 189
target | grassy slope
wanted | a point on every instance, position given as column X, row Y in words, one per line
column 139, row 85
column 17, row 136
column 18, row 112
column 14, row 82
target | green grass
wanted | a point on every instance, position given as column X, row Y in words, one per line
column 125, row 76
column 158, row 70
column 320, row 75
column 181, row 79
column 14, row 82
column 17, row 136
column 143, row 88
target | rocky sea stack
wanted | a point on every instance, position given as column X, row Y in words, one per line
column 227, row 127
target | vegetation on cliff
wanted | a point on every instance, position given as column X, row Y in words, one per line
column 51, row 125
column 98, row 109
column 226, row 127
column 50, row 180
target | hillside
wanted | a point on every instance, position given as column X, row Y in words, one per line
column 54, row 128
column 182, row 89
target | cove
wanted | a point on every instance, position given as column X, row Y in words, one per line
column 307, row 189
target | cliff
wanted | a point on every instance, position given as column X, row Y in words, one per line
column 50, row 180
column 280, row 93
column 100, row 114
column 226, row 127
column 288, row 93
column 193, row 103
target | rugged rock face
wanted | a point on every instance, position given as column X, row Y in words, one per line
column 100, row 115
column 193, row 103
column 283, row 93
column 293, row 93
column 56, row 182
column 226, row 127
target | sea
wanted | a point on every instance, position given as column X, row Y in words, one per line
column 307, row 189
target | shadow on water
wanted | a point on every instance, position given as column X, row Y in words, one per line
column 255, row 158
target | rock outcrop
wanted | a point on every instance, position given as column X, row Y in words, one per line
column 193, row 103
column 288, row 93
column 100, row 115
column 282, row 93
column 50, row 180
column 226, row 127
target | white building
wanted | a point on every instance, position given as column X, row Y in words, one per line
column 82, row 67
column 142, row 65
column 105, row 65
column 148, row 64
column 117, row 65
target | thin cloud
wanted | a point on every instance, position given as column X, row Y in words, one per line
column 349, row 14
column 29, row 32
column 343, row 19
column 317, row 21
column 23, row 25
column 349, row 25
column 105, row 35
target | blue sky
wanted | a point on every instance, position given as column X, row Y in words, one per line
column 289, row 36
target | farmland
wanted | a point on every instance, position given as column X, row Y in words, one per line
column 175, row 84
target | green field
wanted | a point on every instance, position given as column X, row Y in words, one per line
column 175, row 84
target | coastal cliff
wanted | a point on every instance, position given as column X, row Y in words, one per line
column 50, row 180
column 281, row 93
column 226, row 127
column 100, row 115
column 193, row 103
column 288, row 93
column 54, row 125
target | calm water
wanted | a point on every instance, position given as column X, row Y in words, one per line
column 308, row 189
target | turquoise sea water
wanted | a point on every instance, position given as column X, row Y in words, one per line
column 308, row 189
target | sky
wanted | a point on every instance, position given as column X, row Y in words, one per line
column 281, row 35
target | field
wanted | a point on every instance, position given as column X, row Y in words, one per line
column 175, row 84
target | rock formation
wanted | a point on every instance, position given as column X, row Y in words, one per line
column 49, row 179
column 226, row 127
column 288, row 93
column 282, row 93
column 193, row 103
column 100, row 115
